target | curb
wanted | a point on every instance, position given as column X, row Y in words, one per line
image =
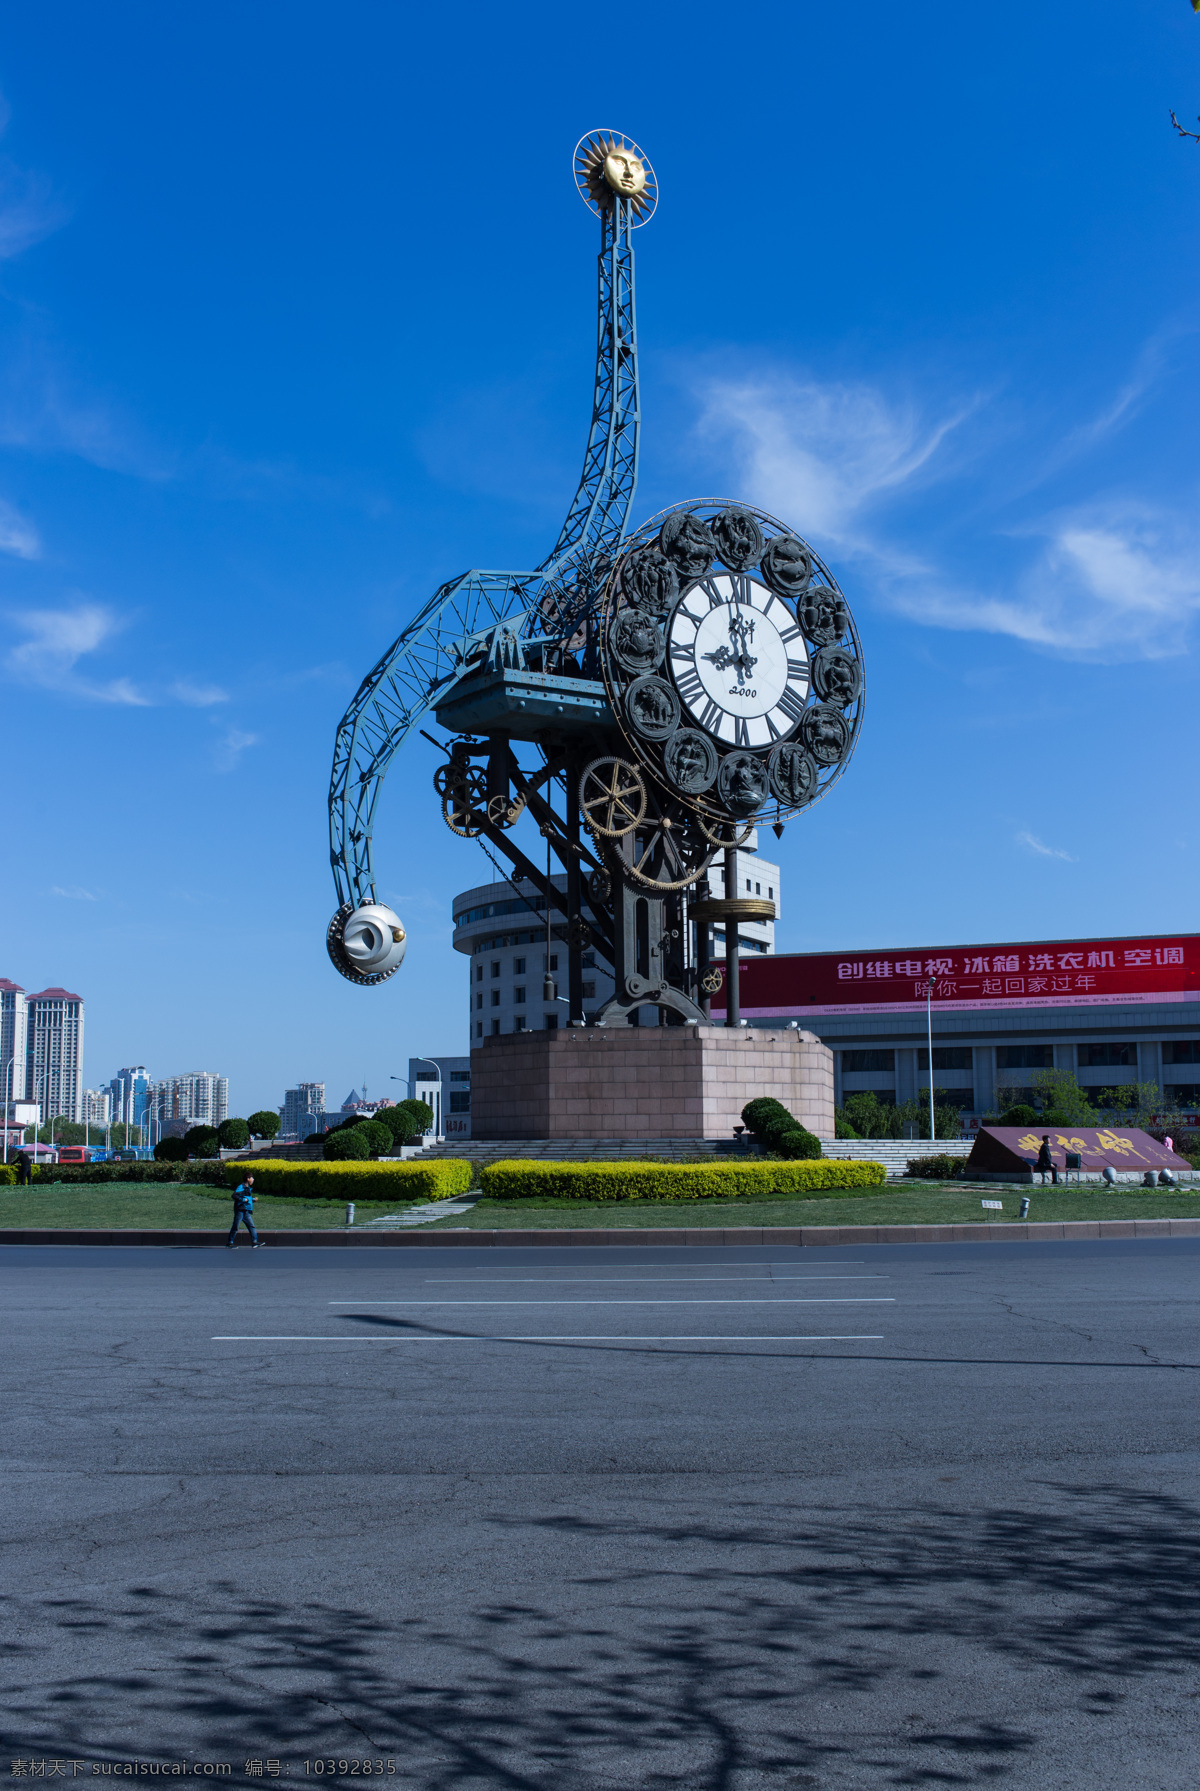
column 1064, row 1231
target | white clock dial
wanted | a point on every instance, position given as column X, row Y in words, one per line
column 738, row 660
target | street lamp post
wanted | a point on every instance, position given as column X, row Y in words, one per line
column 929, row 1026
column 8, row 1076
column 410, row 1085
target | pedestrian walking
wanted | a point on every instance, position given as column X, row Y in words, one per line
column 24, row 1170
column 243, row 1213
column 1045, row 1162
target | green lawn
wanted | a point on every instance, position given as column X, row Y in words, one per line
column 926, row 1203
column 177, row 1206
column 180, row 1206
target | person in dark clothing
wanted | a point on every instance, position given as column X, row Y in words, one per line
column 24, row 1170
column 1045, row 1162
column 243, row 1213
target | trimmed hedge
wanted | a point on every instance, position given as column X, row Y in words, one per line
column 45, row 1174
column 519, row 1180
column 778, row 1130
column 356, row 1181
column 941, row 1167
column 348, row 1144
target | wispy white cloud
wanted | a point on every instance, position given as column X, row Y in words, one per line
column 828, row 453
column 1039, row 849
column 56, row 640
column 232, row 744
column 17, row 535
column 1110, row 582
column 198, row 696
column 29, row 208
column 74, row 893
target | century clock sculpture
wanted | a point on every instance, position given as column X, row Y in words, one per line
column 645, row 698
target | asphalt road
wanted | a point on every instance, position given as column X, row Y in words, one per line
column 568, row 1519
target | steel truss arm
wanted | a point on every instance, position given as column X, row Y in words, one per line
column 458, row 628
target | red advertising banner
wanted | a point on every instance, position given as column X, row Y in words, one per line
column 1042, row 973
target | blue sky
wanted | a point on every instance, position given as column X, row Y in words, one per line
column 296, row 306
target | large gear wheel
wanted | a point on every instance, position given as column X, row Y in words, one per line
column 612, row 795
column 464, row 802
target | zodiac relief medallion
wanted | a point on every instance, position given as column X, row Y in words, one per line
column 836, row 676
column 825, row 733
column 823, row 615
column 690, row 759
column 742, row 783
column 793, row 775
column 636, row 642
column 652, row 708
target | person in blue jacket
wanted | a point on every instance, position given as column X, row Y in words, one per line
column 243, row 1213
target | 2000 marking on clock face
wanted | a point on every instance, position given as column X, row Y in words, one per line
column 739, row 660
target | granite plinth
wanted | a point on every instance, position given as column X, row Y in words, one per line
column 645, row 1082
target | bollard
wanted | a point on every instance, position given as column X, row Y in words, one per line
column 349, row 1212
column 1024, row 1206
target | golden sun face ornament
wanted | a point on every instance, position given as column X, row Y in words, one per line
column 608, row 166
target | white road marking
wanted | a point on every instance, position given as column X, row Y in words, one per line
column 787, row 1300
column 563, row 1337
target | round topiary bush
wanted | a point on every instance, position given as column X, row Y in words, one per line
column 378, row 1137
column 171, row 1150
column 1020, row 1115
column 399, row 1122
column 201, row 1141
column 349, row 1145
column 421, row 1111
column 765, row 1116
column 797, row 1143
column 233, row 1134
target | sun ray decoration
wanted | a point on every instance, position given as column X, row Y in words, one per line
column 608, row 164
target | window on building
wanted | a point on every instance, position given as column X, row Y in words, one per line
column 460, row 1075
column 1181, row 1051
column 588, row 960
column 519, row 1023
column 770, row 893
column 479, row 1029
column 747, row 886
column 1185, row 1094
column 519, row 997
column 553, row 964
column 479, row 973
column 758, row 889
column 857, row 1062
column 460, row 1102
column 551, row 1022
column 518, row 966
column 495, row 967
column 479, row 1000
column 947, row 1057
column 589, row 991
column 1024, row 1057
column 1106, row 1056
column 495, row 1029
column 495, row 998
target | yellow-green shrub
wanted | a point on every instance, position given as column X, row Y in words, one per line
column 517, row 1180
column 355, row 1181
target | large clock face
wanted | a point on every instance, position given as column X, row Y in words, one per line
column 738, row 660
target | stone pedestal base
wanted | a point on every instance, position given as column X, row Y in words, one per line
column 645, row 1082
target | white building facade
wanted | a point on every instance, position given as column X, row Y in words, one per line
column 199, row 1097
column 303, row 1110
column 54, row 1053
column 14, row 1016
column 501, row 928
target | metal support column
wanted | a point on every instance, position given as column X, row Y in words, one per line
column 733, row 993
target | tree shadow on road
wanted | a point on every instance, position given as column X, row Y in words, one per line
column 713, row 1652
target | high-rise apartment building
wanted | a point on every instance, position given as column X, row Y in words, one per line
column 54, row 1053
column 13, row 1050
column 303, row 1110
column 97, row 1107
column 130, row 1095
column 200, row 1097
